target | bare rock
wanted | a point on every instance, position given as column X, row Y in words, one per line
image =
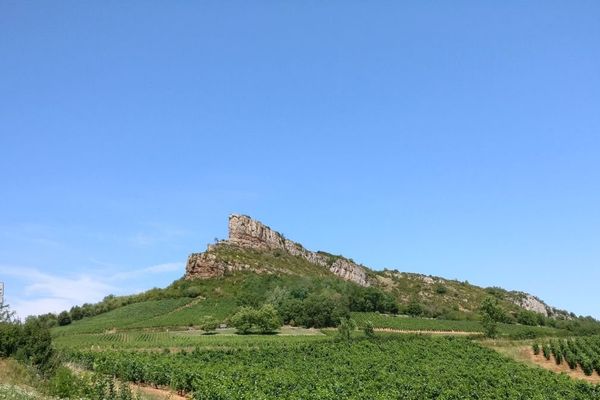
column 248, row 233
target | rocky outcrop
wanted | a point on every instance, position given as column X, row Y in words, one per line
column 248, row 233
column 531, row 303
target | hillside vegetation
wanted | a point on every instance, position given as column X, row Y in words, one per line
column 307, row 295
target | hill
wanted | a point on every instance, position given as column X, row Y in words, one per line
column 257, row 265
column 253, row 246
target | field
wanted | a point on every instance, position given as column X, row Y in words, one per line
column 390, row 366
column 179, row 339
column 428, row 324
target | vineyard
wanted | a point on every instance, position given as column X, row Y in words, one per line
column 177, row 339
column 389, row 366
column 581, row 353
column 428, row 324
column 123, row 317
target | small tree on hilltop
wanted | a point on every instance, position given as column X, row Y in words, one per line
column 491, row 314
column 64, row 318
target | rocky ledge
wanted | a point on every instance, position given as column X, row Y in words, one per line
column 246, row 232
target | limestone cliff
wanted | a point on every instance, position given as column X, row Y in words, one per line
column 247, row 233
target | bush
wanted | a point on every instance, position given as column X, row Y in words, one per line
column 441, row 289
column 587, row 366
column 345, row 328
column 414, row 309
column 369, row 329
column 266, row 319
column 64, row 383
column 209, row 325
column 536, row 348
column 547, row 351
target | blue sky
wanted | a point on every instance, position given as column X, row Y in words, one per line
column 459, row 139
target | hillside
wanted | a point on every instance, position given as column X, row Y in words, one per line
column 257, row 265
column 253, row 246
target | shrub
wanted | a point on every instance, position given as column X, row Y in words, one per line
column 266, row 319
column 441, row 289
column 587, row 366
column 369, row 329
column 64, row 383
column 345, row 328
column 536, row 348
column 209, row 325
column 546, row 350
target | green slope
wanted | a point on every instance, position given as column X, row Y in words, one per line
column 187, row 302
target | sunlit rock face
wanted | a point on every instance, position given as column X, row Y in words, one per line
column 248, row 233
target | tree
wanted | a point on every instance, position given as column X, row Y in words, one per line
column 76, row 313
column 267, row 320
column 345, row 329
column 209, row 325
column 6, row 315
column 64, row 318
column 414, row 308
column 491, row 314
column 243, row 320
column 321, row 310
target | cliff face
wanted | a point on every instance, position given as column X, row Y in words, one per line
column 248, row 233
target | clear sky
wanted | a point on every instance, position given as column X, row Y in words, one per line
column 458, row 139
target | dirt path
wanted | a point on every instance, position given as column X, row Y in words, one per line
column 407, row 331
column 156, row 393
column 148, row 392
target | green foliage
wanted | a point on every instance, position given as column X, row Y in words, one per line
column 414, row 308
column 209, row 325
column 35, row 345
column 371, row 299
column 264, row 319
column 64, row 384
column 321, row 310
column 64, row 318
column 243, row 320
column 369, row 329
column 345, row 329
column 386, row 367
column 580, row 352
column 491, row 315
column 29, row 342
column 441, row 289
column 267, row 319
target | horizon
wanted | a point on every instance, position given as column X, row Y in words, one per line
column 458, row 141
